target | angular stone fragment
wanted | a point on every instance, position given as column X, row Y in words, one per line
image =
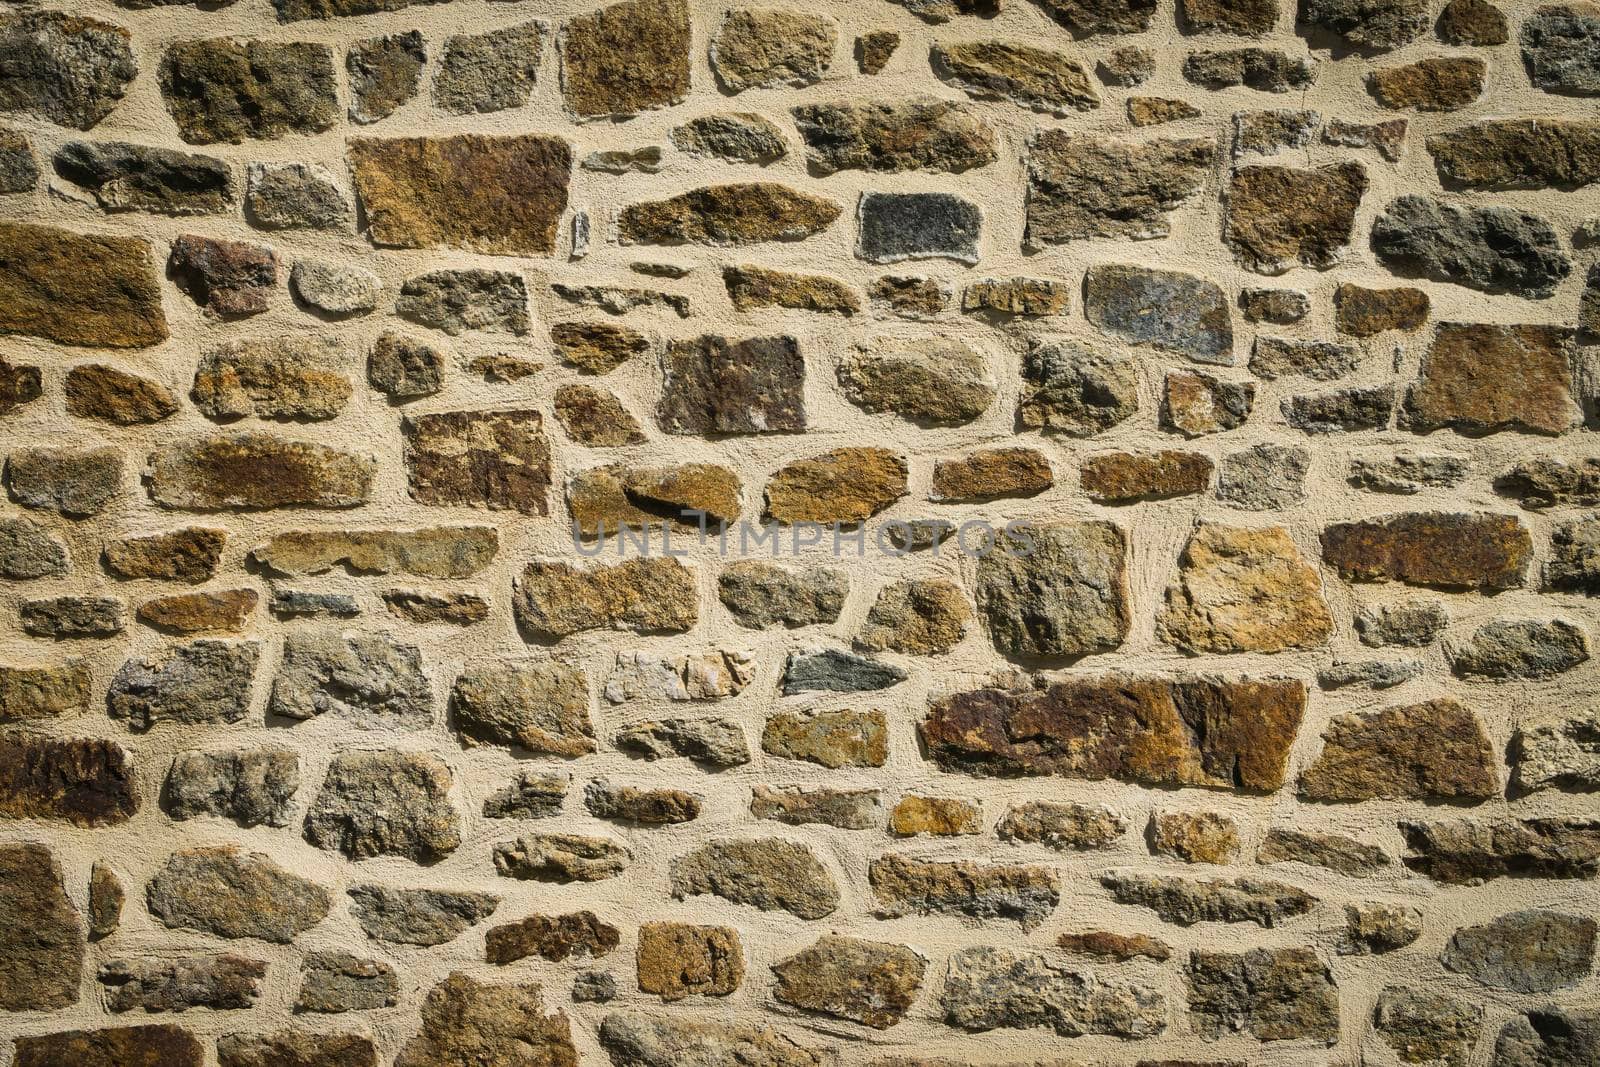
column 689, row 497
column 78, row 289
column 499, row 460
column 991, row 474
column 371, row 679
column 1322, row 361
column 768, row 873
column 1275, row 994
column 1196, row 404
column 1158, row 110
column 1126, row 477
column 229, row 88
column 921, row 133
column 1374, row 674
column 868, row 982
column 845, row 486
column 1452, row 551
column 598, row 347
column 731, row 215
column 459, row 300
column 648, row 807
column 251, row 470
column 1375, row 25
column 930, row 382
column 19, row 384
column 106, row 898
column 1548, row 482
column 1410, row 624
column 1066, row 597
column 232, row 894
column 1254, row 68
column 430, row 552
column 1244, row 589
column 910, row 297
column 130, row 177
column 1385, row 138
column 253, row 787
column 875, row 49
column 1466, row 852
column 1194, row 837
column 761, row 594
column 294, row 196
column 1086, row 18
column 334, row 982
column 299, row 603
column 1126, row 67
column 385, row 804
column 832, row 738
column 1109, row 947
column 19, row 171
column 294, row 1048
column 69, row 69
column 200, row 682
column 1431, row 751
column 561, row 858
column 1075, row 390
column 125, row 1046
column 43, row 960
column 708, row 675
column 1028, row 297
column 1061, row 826
column 189, row 555
column 1518, row 154
column 75, row 482
column 633, row 1039
column 1263, row 478
column 1484, row 378
column 1533, row 951
column 551, row 937
column 1423, row 1026
column 716, row 385
column 1164, row 309
column 44, row 692
column 385, row 73
column 1491, row 249
column 736, row 137
column 934, row 816
column 752, row 288
column 1376, row 928
column 986, row 988
column 283, row 376
column 761, row 48
column 907, row 886
column 73, row 616
column 542, row 707
column 493, row 71
column 464, row 1019
column 1267, row 132
column 337, row 291
column 1036, row 78
column 1558, row 754
column 1281, row 217
column 530, row 795
column 643, row 595
column 96, row 391
column 626, row 58
column 835, row 671
column 844, row 809
column 418, row 916
column 1444, row 83
column 1243, row 18
column 717, row 742
column 220, row 982
column 1551, row 1037
column 28, row 550
column 1187, row 901
column 596, row 418
column 1407, row 472
column 1082, row 186
column 922, row 617
column 1558, row 48
column 1520, row 648
column 1330, row 851
column 1204, row 732
column 404, row 367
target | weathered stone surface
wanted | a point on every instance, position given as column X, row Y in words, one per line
column 991, row 474
column 334, row 982
column 97, row 391
column 130, row 177
column 1071, row 389
column 832, row 738
column 919, row 617
column 915, row 815
column 1126, row 67
column 464, row 1019
column 1127, row 477
column 499, row 460
column 832, row 670
column 986, row 988
column 1282, row 217
column 1061, row 826
column 734, row 215
column 1244, row 589
column 283, row 376
column 1194, row 837
column 1204, row 732
column 1331, row 851
column 762, row 48
column 1533, row 951
column 540, row 706
column 1551, row 1037
column 49, row 691
column 418, row 916
column 709, row 675
column 1082, row 186
column 429, row 552
column 1164, row 309
column 646, row 160
column 371, row 679
column 551, row 937
column 753, row 288
column 1268, row 132
column 1491, row 249
column 19, row 171
column 1558, row 48
column 1322, row 361
column 252, row 470
column 1036, row 78
column 1483, row 378
column 911, row 297
column 222, row 981
column 106, row 898
column 1028, row 297
column 1366, row 24
column 1187, row 901
column 920, row 133
column 43, row 961
column 1440, row 83
column 1518, row 154
column 1196, row 404
column 875, row 49
column 337, row 291
column 928, row 381
column 1086, row 18
column 253, row 787
column 1263, row 478
column 73, row 616
column 1157, row 110
column 1282, row 307
column 1362, row 312
column 530, row 795
column 292, row 1048
column 1423, row 1026
column 1451, row 551
column 767, row 873
column 1407, row 472
column 28, row 550
column 1244, row 18
column 229, row 893
column 761, row 594
column 455, row 301
column 643, row 595
column 626, row 58
column 404, row 367
column 715, row 742
column 596, row 418
column 633, row 1039
column 1558, row 754
column 69, row 69
column 907, row 886
column 1254, row 68
column 1472, row 22
column 1548, row 482
column 1520, row 648
column 78, row 289
column 714, row 385
column 1067, row 597
column 75, row 482
column 200, row 682
column 676, row 960
column 493, row 71
column 126, row 1046
column 387, row 803
column 456, row 609
column 686, row 496
column 1273, row 994
column 895, row 227
column 844, row 809
column 1466, row 852
column 597, row 347
column 561, row 858
column 621, row 299
column 647, row 807
column 385, row 74
column 868, row 982
column 229, row 88
column 301, row 603
column 845, row 486
column 1431, row 751
column 1373, row 674
column 736, row 137
column 19, row 384
column 294, row 196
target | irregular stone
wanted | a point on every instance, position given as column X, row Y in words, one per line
column 75, row 482
column 385, row 74
column 1196, row 404
column 430, row 552
column 1410, row 624
column 463, row 1019
column 1037, row 78
column 28, row 550
column 832, row 738
column 733, row 215
column 1491, row 249
column 199, row 682
column 1071, row 389
column 1423, row 1026
column 106, row 898
column 334, row 982
column 1441, row 83
column 499, row 460
column 19, row 385
column 867, row 982
column 648, row 807
column 1282, row 307
column 293, row 1048
column 418, row 916
column 455, row 301
column 843, row 809
column 190, row 555
column 620, row 299
column 228, row 893
column 1552, row 1037
column 1520, row 648
column 597, row 347
column 123, row 1046
column 219, row 982
column 335, row 290
column 1261, row 69
column 253, row 787
column 1263, row 478
column 1385, row 138
column 1465, row 852
column 894, row 227
column 1082, row 186
column 1472, row 22
column 1139, row 729
column 907, row 886
column 1342, row 411
column 1193, row 318
column 1028, row 297
column 709, row 675
column 934, row 816
column 294, row 196
column 1188, row 901
column 227, row 278
column 597, row 419
column 1431, row 751
column 529, row 796
column 77, row 289
column 1158, row 110
column 1274, row 994
column 404, row 367
column 561, row 858
column 1085, row 18
column 1242, row 18
column 1483, row 378
column 283, row 376
column 457, row 609
column 835, row 671
column 19, row 171
column 643, row 595
column 1109, row 947
column 875, row 49
column 1061, row 826
column 1373, row 928
column 919, row 133
column 50, row 691
column 736, row 137
column 299, row 603
column 753, row 288
column 676, row 960
column 626, row 58
column 1323, row 361
column 1280, row 217
column 716, row 742
column 1407, row 472
column 1374, row 674
column 763, row 48
column 1366, row 24
column 1127, row 477
column 1244, row 589
column 1518, row 154
column 845, row 486
column 69, row 69
column 761, row 594
column 96, row 391
column 1558, row 48
column 689, row 497
column 73, row 616
column 986, row 988
column 130, row 177
column 1547, row 482
column 551, row 937
column 767, row 873
column 224, row 89
column 633, row 1039
column 1194, row 837
column 1067, row 597
column 1531, row 951
column 715, row 385
column 370, row 679
column 1558, row 754
column 385, row 804
column 991, row 474
column 1126, row 67
column 43, row 961
column 930, row 382
column 1331, row 851
column 1459, row 551
column 484, row 72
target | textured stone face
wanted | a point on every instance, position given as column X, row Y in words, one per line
column 28, row 551
column 227, row 89
column 734, row 215
column 251, row 786
column 385, row 804
column 1430, row 85
column 561, row 858
column 430, row 552
column 1086, row 18
column 1525, row 951
column 418, row 916
column 1066, row 597
column 1076, row 390
column 219, row 982
column 464, row 1018
column 833, row 739
column 335, row 982
column 200, row 682
column 739, row 137
column 1189, row 901
column 44, row 692
column 1467, row 852
column 760, row 48
column 296, row 1047
column 42, row 964
column 1451, row 551
column 1273, row 994
column 284, row 376
column 1431, row 751
column 633, row 1039
column 767, row 873
column 1244, row 589
column 721, row 386
column 232, row 894
column 384, row 74
column 1518, row 154
column 846, row 486
column 1557, row 755
column 645, row 596
column 370, row 679
column 1484, row 378
column 1082, row 186
column 541, row 706
column 1493, row 249
column 895, row 227
column 865, row 981
column 1552, row 1037
column 129, row 177
column 1193, row 318
column 497, row 460
column 1194, row 837
column 68, row 69
column 987, row 988
column 676, row 960
column 1423, row 1026
column 144, row 1046
column 1367, row 23
column 1061, row 826
column 1283, row 217
column 1331, row 851
column 1558, row 43
column 906, row 886
column 1262, row 69
column 845, row 809
column 1036, row 78
column 1520, row 648
column 922, row 133
column 456, row 301
column 79, row 289
column 553, row 938
column 252, row 470
column 933, row 382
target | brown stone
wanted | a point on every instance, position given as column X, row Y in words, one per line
column 1245, row 18
column 626, row 58
column 44, row 692
column 1186, row 901
column 281, row 376
column 929, row 381
column 991, row 474
column 903, row 885
column 764, row 48
column 643, row 595
column 1482, row 378
column 430, row 552
column 1061, row 826
column 1332, row 851
column 845, row 809
column 79, row 289
column 676, row 960
column 248, row 471
column 875, row 49
column 81, row 781
column 1194, row 837
column 458, row 609
column 645, row 807
column 910, row 297
column 1187, row 731
column 597, row 347
column 609, row 498
column 1036, row 78
column 1159, row 110
column 230, row 88
column 96, row 391
column 227, row 278
column 1083, row 185
column 1056, row 590
column 106, row 898
column 225, row 611
column 551, row 937
column 634, row 1039
column 1535, row 153
column 187, row 555
column 465, row 1020
column 1431, row 751
column 1244, row 589
column 1277, row 218
column 752, row 288
column 497, row 195
column 1472, row 22
column 920, row 133
column 498, row 460
column 221, row 981
column 934, row 816
column 1109, row 947
column 769, row 873
column 1028, row 297
column 1468, row 852
column 714, row 385
column 739, row 214
column 595, row 417
column 1128, row 477
column 832, row 738
column 1439, row 83
column 1196, row 404
column 919, row 617
column 1362, row 312
column 866, row 981
column 129, row 1046
column 1276, row 994
column 846, row 485
column 19, row 384
column 1452, row 551
column 43, row 960
column 295, row 1048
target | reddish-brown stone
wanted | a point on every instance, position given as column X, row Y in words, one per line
column 78, row 780
column 1453, row 551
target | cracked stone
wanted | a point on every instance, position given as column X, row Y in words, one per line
column 371, row 680
column 253, row 787
column 218, row 982
column 714, row 385
column 385, row 804
column 1261, row 69
column 499, row 460
column 1468, row 852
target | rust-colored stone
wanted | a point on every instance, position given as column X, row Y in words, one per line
column 1482, row 378
column 190, row 613
column 846, row 485
column 79, row 289
column 1452, row 551
column 1127, row 477
column 498, row 460
column 1431, row 751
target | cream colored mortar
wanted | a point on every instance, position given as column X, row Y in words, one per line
column 1158, row 530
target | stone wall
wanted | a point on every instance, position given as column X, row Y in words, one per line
column 1271, row 738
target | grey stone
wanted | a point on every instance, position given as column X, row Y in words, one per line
column 761, row 594
column 1067, row 598
column 233, row 894
column 333, row 981
column 418, row 916
column 130, row 177
column 43, row 960
column 1410, row 624
column 388, row 803
column 405, row 367
column 333, row 288
column 28, row 550
column 1407, row 472
column 201, row 682
column 831, row 670
column 895, row 227
column 1276, row 994
column 218, row 982
column 1265, row 133
column 1331, row 851
column 370, row 679
column 645, row 160
column 1187, row 901
column 738, row 137
column 19, row 171
column 987, row 988
column 494, row 71
column 717, row 385
column 385, row 73
column 1343, row 411
column 1534, row 951
column 465, row 1020
column 1071, row 389
column 73, row 616
column 920, row 133
column 1491, row 249
column 1126, row 67
column 1264, row 478
column 1561, row 754
column 1561, row 48
column 230, row 88
column 1548, row 482
column 459, row 300
column 904, row 885
column 253, row 787
column 75, row 482
column 1061, row 826
column 561, row 858
column 713, row 741
column 634, row 1039
column 1322, row 361
column 594, row 987
column 67, row 68
column 1164, row 309
column 279, row 376
column 530, row 795
column 1282, row 307
column 844, row 809
column 1424, row 1026
column 1520, row 648
column 1373, row 674
column 1549, row 1037
column 302, row 603
column 766, row 873
column 1376, row 25
column 294, row 196
column 1254, row 68
column 1083, row 186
